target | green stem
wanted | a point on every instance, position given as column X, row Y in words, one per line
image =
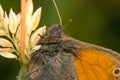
column 23, row 73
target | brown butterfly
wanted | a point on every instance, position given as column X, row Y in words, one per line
column 64, row 58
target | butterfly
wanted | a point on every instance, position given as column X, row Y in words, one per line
column 62, row 57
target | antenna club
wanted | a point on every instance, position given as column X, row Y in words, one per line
column 70, row 20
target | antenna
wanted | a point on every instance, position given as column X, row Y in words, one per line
column 57, row 11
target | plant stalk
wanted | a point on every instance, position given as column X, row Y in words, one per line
column 23, row 32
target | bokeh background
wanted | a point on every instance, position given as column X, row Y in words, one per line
column 93, row 21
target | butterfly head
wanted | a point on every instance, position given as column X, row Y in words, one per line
column 53, row 35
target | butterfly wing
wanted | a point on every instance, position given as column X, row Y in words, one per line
column 93, row 62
